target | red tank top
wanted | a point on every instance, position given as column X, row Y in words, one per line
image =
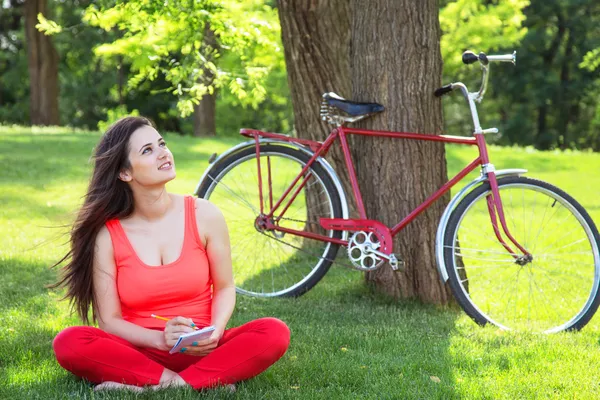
column 182, row 287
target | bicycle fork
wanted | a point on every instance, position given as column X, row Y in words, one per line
column 496, row 211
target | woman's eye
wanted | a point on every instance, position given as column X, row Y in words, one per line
column 146, row 150
column 163, row 144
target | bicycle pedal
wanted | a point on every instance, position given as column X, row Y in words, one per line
column 396, row 263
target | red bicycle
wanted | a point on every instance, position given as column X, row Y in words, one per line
column 517, row 252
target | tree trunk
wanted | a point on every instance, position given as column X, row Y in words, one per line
column 43, row 68
column 204, row 116
column 205, row 112
column 396, row 61
column 544, row 138
column 316, row 42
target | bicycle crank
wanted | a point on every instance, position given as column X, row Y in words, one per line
column 364, row 254
column 370, row 245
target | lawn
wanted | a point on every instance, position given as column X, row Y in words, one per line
column 347, row 342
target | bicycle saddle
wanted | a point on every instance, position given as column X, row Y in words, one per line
column 352, row 108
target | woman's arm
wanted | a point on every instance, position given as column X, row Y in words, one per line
column 214, row 229
column 108, row 306
column 218, row 250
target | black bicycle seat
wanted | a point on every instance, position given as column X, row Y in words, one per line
column 352, row 108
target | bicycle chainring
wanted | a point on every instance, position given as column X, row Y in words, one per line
column 358, row 251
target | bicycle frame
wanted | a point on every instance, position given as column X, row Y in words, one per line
column 268, row 219
column 494, row 203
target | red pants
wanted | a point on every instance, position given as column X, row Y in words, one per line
column 242, row 353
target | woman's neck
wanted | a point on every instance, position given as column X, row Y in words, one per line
column 151, row 205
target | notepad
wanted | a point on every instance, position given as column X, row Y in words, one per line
column 188, row 338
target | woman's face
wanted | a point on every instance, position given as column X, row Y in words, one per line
column 151, row 161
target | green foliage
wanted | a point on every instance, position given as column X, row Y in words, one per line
column 479, row 25
column 169, row 39
column 88, row 85
column 546, row 100
column 476, row 25
column 161, row 64
column 14, row 85
column 153, row 57
column 591, row 61
column 550, row 100
column 114, row 114
column 47, row 26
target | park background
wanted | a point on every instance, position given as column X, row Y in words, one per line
column 200, row 83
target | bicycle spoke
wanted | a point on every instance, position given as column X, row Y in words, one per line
column 546, row 293
column 274, row 263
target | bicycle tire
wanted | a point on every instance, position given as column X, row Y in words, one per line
column 478, row 304
column 219, row 173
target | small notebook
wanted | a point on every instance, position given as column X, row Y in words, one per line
column 189, row 338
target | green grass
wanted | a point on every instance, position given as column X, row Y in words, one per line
column 346, row 341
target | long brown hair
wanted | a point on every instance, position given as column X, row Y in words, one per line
column 107, row 197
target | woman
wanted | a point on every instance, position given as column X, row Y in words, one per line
column 137, row 250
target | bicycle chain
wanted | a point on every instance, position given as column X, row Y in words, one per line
column 306, row 252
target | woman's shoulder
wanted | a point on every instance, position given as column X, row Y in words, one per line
column 206, row 206
column 104, row 240
column 207, row 211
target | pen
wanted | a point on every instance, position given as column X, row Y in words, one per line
column 167, row 319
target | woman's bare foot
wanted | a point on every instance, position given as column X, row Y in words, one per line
column 109, row 385
column 169, row 379
column 230, row 387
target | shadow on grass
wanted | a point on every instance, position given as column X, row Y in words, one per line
column 357, row 343
column 352, row 344
column 23, row 286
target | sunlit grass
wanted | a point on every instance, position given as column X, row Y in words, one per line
column 346, row 341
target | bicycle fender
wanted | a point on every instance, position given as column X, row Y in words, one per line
column 439, row 237
column 324, row 163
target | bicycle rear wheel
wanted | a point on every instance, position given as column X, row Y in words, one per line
column 557, row 291
column 272, row 263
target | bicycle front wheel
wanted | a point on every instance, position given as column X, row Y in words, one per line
column 557, row 290
column 271, row 263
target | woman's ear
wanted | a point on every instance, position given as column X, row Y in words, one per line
column 125, row 176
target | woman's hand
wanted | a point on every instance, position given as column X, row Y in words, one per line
column 204, row 347
column 175, row 328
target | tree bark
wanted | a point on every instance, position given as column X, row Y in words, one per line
column 43, row 68
column 396, row 61
column 204, row 118
column 316, row 42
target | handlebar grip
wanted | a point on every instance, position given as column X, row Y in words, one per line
column 439, row 92
column 469, row 57
column 483, row 58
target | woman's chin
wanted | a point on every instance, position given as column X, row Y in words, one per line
column 166, row 178
column 172, row 177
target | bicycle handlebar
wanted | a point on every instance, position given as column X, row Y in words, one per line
column 469, row 57
column 439, row 92
column 504, row 58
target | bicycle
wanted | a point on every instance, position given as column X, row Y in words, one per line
column 288, row 216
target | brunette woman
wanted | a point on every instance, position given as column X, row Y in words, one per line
column 137, row 250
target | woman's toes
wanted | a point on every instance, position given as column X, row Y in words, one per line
column 109, row 385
